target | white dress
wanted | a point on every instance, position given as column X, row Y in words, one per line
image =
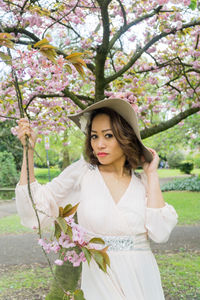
column 133, row 274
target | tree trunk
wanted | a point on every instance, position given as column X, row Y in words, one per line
column 68, row 277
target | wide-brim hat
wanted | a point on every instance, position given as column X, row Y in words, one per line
column 123, row 108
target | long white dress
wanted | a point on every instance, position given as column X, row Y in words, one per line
column 133, row 274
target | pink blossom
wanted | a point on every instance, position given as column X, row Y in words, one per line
column 58, row 262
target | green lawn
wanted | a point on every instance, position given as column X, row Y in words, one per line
column 25, row 280
column 41, row 174
column 11, row 224
column 180, row 274
column 187, row 205
column 175, row 172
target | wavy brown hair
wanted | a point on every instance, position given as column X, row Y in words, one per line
column 123, row 133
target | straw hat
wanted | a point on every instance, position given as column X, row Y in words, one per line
column 123, row 108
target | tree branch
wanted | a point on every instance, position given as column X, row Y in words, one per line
column 23, row 31
column 73, row 97
column 124, row 28
column 145, row 133
column 41, row 96
column 138, row 53
column 123, row 12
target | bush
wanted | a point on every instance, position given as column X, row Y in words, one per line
column 186, row 167
column 196, row 161
column 174, row 159
column 8, row 172
column 186, row 184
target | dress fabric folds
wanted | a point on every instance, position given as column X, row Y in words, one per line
column 133, row 274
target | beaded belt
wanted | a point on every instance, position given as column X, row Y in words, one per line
column 126, row 243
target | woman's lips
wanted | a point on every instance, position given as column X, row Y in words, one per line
column 102, row 154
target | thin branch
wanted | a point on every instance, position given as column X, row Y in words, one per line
column 147, row 132
column 197, row 42
column 138, row 54
column 23, row 31
column 56, row 21
column 41, row 96
column 124, row 28
column 123, row 12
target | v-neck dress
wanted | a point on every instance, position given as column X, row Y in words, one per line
column 133, row 274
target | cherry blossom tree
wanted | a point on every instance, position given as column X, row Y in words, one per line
column 146, row 52
column 60, row 56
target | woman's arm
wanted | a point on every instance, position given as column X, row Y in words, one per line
column 24, row 129
column 154, row 194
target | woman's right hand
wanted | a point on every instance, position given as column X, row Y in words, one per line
column 24, row 129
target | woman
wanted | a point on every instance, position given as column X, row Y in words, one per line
column 115, row 204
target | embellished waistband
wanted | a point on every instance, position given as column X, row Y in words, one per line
column 126, row 243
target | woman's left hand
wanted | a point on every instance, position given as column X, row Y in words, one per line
column 153, row 165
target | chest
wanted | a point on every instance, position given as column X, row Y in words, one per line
column 98, row 211
column 117, row 187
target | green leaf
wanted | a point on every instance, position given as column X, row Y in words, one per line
column 61, row 210
column 78, row 295
column 67, row 208
column 193, row 4
column 57, row 232
column 106, row 258
column 6, row 58
column 70, row 211
column 98, row 257
column 62, row 223
column 97, row 241
column 69, row 232
column 87, row 254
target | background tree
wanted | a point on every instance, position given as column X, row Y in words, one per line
column 10, row 143
column 146, row 50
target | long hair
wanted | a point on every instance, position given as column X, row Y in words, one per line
column 123, row 133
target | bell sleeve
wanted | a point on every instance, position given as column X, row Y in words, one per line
column 159, row 222
column 47, row 198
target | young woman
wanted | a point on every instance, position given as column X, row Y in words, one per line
column 115, row 204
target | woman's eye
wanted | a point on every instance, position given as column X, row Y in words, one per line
column 93, row 136
column 109, row 135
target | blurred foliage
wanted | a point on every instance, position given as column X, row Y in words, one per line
column 186, row 167
column 72, row 140
column 10, row 143
column 187, row 184
column 8, row 172
column 175, row 158
column 185, row 136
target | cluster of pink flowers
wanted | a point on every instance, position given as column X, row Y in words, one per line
column 64, row 242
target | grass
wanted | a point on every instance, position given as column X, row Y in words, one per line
column 180, row 274
column 163, row 173
column 187, row 205
column 41, row 174
column 24, row 282
column 11, row 224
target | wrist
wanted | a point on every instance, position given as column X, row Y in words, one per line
column 152, row 174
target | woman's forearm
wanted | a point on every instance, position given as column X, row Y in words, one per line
column 23, row 177
column 154, row 194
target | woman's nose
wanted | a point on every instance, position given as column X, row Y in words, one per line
column 101, row 143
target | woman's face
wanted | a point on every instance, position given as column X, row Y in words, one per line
column 104, row 144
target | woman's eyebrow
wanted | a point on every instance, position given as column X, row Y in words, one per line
column 102, row 130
